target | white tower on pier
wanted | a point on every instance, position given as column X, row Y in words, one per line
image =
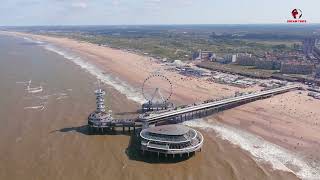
column 100, row 100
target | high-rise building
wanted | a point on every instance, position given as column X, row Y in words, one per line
column 234, row 58
column 246, row 60
column 318, row 71
column 296, row 68
column 203, row 55
column 226, row 59
column 308, row 45
column 270, row 64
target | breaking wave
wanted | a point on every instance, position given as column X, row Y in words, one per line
column 33, row 41
column 262, row 150
column 121, row 86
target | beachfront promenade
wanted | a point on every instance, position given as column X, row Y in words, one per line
column 190, row 112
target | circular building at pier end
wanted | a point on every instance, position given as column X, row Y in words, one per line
column 171, row 139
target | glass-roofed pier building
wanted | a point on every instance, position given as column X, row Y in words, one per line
column 171, row 139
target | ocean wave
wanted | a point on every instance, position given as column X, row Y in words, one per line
column 121, row 86
column 280, row 158
column 33, row 40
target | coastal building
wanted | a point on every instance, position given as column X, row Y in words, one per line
column 269, row 64
column 311, row 48
column 318, row 71
column 191, row 71
column 226, row 59
column 296, row 67
column 171, row 139
column 308, row 45
column 316, row 50
column 246, row 60
column 234, row 58
column 203, row 55
column 195, row 55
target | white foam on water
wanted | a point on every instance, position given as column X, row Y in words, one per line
column 121, row 86
column 45, row 97
column 22, row 82
column 33, row 40
column 262, row 150
column 62, row 97
column 35, row 107
column 35, row 90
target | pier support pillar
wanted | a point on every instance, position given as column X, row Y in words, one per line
column 123, row 129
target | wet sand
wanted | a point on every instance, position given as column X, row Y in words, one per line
column 53, row 143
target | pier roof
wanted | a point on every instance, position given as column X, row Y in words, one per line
column 172, row 130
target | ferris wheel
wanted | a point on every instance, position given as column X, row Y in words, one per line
column 157, row 88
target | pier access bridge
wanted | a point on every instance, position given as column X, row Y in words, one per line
column 204, row 109
column 100, row 121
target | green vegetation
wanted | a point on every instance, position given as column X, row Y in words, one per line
column 181, row 46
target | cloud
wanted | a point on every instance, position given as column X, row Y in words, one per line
column 115, row 2
column 155, row 1
column 28, row 3
column 82, row 5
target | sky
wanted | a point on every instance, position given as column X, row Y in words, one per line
column 144, row 12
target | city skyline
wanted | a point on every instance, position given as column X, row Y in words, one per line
column 148, row 12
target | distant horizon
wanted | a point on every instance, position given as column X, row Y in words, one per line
column 238, row 24
column 153, row 12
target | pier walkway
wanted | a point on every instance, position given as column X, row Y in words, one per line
column 190, row 112
column 198, row 110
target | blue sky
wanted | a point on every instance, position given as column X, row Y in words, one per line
column 124, row 12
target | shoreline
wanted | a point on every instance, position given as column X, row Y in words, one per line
column 115, row 65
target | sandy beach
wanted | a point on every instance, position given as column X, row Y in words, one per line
column 290, row 120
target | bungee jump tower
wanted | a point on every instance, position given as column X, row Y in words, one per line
column 99, row 120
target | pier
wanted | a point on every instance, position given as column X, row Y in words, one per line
column 99, row 121
column 211, row 107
